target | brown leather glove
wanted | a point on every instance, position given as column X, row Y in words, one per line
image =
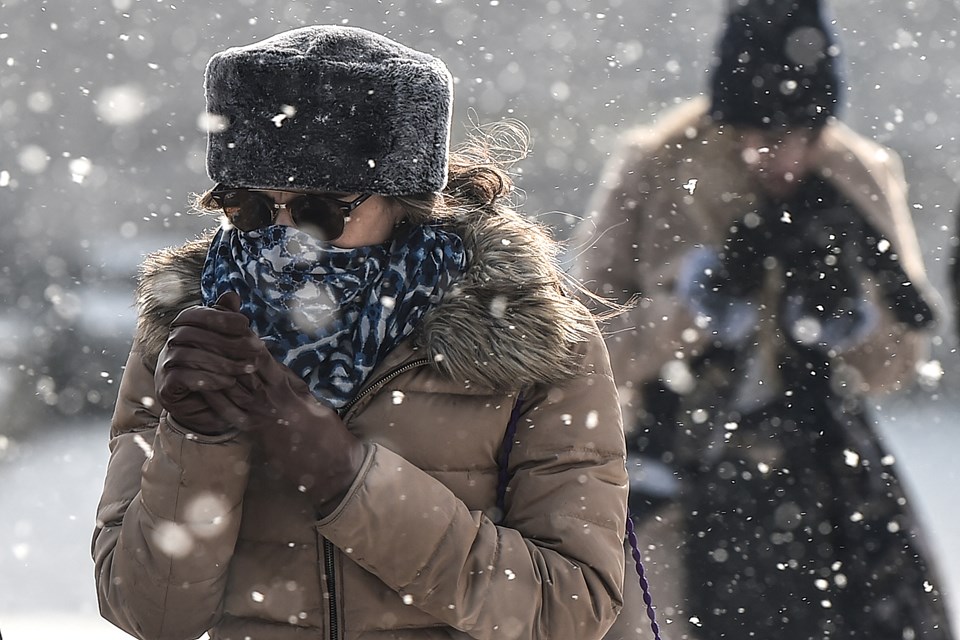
column 306, row 441
column 209, row 350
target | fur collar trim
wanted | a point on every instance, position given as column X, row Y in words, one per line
column 506, row 324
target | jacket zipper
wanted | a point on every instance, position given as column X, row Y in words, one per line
column 387, row 377
column 328, row 549
column 329, row 567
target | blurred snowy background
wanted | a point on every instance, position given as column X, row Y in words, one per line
column 101, row 110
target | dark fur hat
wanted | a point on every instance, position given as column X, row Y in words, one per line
column 777, row 66
column 329, row 108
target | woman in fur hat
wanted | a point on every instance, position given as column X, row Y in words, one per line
column 311, row 435
column 781, row 282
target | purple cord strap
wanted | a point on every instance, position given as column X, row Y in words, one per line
column 647, row 599
column 504, row 478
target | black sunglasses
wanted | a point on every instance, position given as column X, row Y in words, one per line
column 320, row 216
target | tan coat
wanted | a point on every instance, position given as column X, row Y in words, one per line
column 679, row 184
column 196, row 533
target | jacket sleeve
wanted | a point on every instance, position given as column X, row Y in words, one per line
column 625, row 249
column 553, row 569
column 168, row 518
column 887, row 359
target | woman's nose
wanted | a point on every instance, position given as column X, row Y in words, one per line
column 283, row 216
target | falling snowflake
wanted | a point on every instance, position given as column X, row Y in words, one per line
column 851, row 458
column 930, row 372
column 592, row 420
column 207, row 515
column 173, row 539
column 498, row 306
column 121, row 105
column 212, row 123
column 79, row 169
column 33, row 159
column 145, row 446
column 286, row 111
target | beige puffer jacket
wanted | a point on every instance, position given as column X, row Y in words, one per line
column 195, row 533
column 679, row 184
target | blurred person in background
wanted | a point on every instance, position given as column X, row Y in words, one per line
column 782, row 283
column 309, row 439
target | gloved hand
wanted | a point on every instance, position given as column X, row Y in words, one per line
column 839, row 246
column 209, row 349
column 901, row 295
column 833, row 249
column 306, row 441
column 820, row 261
column 748, row 243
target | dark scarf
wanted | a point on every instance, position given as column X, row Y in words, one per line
column 332, row 314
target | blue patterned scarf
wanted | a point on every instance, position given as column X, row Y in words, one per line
column 332, row 314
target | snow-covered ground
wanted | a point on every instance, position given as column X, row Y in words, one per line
column 50, row 484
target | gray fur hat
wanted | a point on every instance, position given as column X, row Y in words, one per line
column 329, row 108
